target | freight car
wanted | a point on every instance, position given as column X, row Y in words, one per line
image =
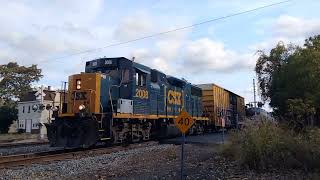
column 118, row 100
column 221, row 104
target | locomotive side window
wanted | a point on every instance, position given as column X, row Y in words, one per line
column 142, row 82
column 137, row 79
column 141, row 79
column 126, row 76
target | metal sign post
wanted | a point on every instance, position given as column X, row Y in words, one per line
column 182, row 154
column 184, row 121
column 222, row 135
column 223, row 124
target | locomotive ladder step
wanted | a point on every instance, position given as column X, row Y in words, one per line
column 101, row 130
column 103, row 139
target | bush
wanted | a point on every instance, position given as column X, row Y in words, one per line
column 8, row 113
column 265, row 145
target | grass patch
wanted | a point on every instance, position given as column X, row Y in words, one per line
column 267, row 145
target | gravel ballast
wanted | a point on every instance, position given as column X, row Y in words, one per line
column 160, row 161
column 26, row 149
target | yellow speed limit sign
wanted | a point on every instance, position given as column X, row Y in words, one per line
column 184, row 121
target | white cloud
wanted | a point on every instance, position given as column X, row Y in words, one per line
column 152, row 59
column 200, row 56
column 292, row 27
column 267, row 44
column 288, row 29
column 168, row 48
column 141, row 54
column 133, row 27
column 162, row 65
column 208, row 55
column 33, row 31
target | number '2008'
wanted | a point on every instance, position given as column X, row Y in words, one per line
column 143, row 94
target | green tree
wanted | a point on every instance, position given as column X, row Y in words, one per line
column 289, row 78
column 15, row 80
column 8, row 113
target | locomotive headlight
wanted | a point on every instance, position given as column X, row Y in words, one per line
column 82, row 107
column 78, row 84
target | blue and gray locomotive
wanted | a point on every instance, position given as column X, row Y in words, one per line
column 118, row 100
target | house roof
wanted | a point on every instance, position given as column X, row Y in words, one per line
column 30, row 96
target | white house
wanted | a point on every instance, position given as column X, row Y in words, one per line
column 35, row 109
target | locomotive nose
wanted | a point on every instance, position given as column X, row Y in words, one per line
column 73, row 133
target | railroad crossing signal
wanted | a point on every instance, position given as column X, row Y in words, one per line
column 184, row 121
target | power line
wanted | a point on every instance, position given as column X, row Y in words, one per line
column 169, row 31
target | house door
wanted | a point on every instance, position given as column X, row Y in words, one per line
column 28, row 125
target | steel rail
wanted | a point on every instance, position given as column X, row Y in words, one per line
column 7, row 145
column 59, row 155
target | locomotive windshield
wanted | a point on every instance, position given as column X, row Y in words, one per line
column 112, row 73
column 124, row 74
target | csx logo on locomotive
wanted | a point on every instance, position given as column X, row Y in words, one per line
column 79, row 96
column 174, row 97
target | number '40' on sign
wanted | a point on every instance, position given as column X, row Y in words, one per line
column 184, row 121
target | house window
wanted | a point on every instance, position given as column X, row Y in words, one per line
column 34, row 125
column 29, row 109
column 23, row 109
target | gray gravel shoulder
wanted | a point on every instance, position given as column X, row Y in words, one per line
column 160, row 161
column 26, row 149
column 72, row 168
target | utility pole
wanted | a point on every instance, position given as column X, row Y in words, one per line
column 254, row 98
column 41, row 90
column 42, row 127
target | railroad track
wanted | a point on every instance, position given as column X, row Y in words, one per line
column 6, row 145
column 59, row 155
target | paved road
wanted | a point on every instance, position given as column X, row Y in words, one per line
column 213, row 138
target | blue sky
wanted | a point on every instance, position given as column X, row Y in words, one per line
column 221, row 52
